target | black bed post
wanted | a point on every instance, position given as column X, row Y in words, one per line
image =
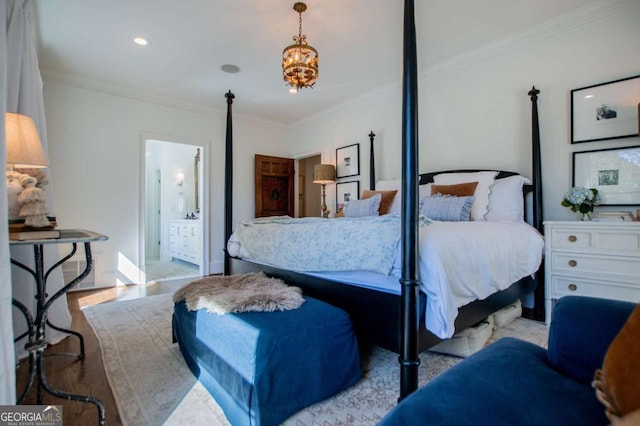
column 372, row 163
column 228, row 182
column 538, row 295
column 409, row 360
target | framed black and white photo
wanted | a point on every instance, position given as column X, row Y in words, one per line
column 615, row 173
column 348, row 161
column 345, row 192
column 605, row 111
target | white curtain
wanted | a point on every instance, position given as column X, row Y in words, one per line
column 24, row 96
column 7, row 358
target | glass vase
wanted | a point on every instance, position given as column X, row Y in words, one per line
column 584, row 216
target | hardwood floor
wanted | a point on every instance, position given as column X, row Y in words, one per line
column 86, row 376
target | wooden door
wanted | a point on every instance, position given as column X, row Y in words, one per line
column 274, row 186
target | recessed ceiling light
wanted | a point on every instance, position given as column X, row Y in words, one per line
column 230, row 68
column 141, row 41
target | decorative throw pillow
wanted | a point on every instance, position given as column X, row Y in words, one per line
column 361, row 208
column 632, row 419
column 484, row 179
column 447, row 208
column 385, row 201
column 506, row 201
column 466, row 189
column 395, row 185
column 617, row 384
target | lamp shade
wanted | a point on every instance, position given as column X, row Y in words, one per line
column 324, row 173
column 23, row 143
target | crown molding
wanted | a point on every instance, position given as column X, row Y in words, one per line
column 138, row 94
column 394, row 84
column 567, row 22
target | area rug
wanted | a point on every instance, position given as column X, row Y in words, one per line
column 152, row 384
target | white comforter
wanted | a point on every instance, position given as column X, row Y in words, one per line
column 464, row 261
column 459, row 261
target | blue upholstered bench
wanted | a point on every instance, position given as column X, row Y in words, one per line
column 262, row 367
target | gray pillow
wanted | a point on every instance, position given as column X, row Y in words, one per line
column 361, row 208
column 447, row 208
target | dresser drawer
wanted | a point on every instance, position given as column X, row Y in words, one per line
column 571, row 239
column 567, row 286
column 619, row 241
column 584, row 265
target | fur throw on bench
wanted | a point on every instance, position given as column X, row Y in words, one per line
column 254, row 292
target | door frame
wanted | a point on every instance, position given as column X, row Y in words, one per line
column 296, row 166
column 153, row 197
column 204, row 202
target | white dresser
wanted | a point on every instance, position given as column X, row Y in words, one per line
column 185, row 240
column 597, row 259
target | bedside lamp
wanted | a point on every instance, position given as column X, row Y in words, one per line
column 24, row 150
column 324, row 174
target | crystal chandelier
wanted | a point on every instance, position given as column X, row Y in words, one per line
column 299, row 60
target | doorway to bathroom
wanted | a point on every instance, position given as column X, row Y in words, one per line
column 174, row 218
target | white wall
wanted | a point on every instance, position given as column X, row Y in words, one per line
column 474, row 111
column 96, row 141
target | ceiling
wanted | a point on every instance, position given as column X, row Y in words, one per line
column 89, row 42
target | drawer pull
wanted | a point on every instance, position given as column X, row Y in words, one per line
column 573, row 238
column 573, row 287
column 573, row 263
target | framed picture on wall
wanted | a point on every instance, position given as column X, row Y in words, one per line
column 605, row 111
column 348, row 161
column 615, row 173
column 347, row 191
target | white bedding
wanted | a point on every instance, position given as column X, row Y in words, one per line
column 464, row 261
column 459, row 262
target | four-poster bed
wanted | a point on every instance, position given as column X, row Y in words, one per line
column 401, row 328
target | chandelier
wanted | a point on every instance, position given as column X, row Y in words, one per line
column 299, row 60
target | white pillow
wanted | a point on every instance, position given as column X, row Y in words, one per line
column 361, row 208
column 506, row 201
column 396, row 184
column 484, row 179
column 388, row 185
column 392, row 185
column 424, row 191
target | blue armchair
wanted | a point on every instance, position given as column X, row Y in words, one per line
column 513, row 382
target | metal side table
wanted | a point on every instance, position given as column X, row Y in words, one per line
column 36, row 342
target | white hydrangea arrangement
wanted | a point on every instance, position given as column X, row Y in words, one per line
column 581, row 201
